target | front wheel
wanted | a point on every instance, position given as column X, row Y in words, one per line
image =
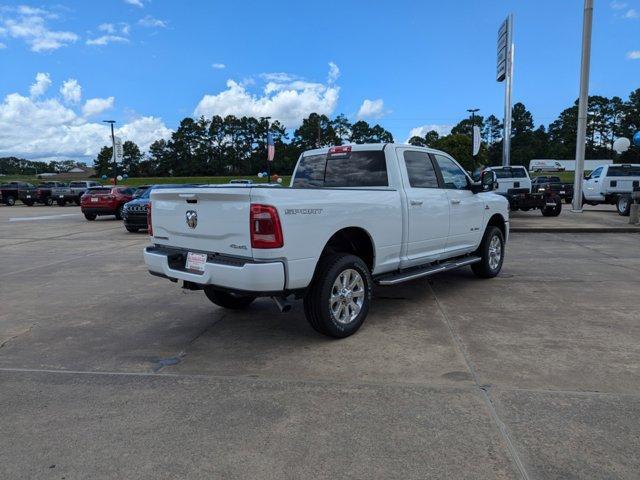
column 48, row 201
column 10, row 201
column 623, row 205
column 119, row 212
column 491, row 252
column 61, row 203
column 90, row 216
column 229, row 300
column 337, row 302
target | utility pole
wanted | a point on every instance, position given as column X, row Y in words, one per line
column 113, row 151
column 473, row 123
column 268, row 162
column 582, row 105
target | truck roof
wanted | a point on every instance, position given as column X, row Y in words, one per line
column 355, row 147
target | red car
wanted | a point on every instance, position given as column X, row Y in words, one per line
column 105, row 201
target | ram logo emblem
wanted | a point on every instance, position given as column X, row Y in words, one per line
column 192, row 218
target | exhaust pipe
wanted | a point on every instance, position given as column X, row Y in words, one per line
column 283, row 305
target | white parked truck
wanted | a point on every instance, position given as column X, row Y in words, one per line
column 612, row 184
column 353, row 216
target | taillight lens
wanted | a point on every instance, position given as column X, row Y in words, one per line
column 149, row 225
column 266, row 231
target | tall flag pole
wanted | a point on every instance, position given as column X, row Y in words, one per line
column 271, row 153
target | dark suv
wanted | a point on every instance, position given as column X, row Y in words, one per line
column 134, row 212
column 105, row 201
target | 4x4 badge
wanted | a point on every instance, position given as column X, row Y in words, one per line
column 192, row 218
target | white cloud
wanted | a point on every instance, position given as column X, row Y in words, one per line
column 334, row 73
column 371, row 109
column 71, row 91
column 218, row 66
column 136, row 3
column 106, row 39
column 422, row 130
column 107, row 27
column 30, row 25
column 151, row 22
column 2, row 45
column 95, row 106
column 618, row 5
column 37, row 128
column 631, row 13
column 634, row 55
column 284, row 98
column 43, row 82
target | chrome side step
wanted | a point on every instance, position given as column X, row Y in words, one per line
column 426, row 271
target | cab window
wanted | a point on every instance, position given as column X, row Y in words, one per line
column 420, row 170
column 596, row 173
column 453, row 176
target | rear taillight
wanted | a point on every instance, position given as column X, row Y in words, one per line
column 266, row 231
column 149, row 225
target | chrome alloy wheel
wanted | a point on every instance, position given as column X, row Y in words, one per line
column 347, row 296
column 495, row 252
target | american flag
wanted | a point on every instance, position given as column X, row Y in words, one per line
column 271, row 148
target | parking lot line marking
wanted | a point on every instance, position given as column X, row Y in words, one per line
column 484, row 391
column 43, row 217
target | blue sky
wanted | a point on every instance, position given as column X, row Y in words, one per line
column 405, row 64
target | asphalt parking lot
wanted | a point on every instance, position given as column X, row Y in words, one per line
column 108, row 372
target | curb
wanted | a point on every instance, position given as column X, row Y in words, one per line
column 575, row 230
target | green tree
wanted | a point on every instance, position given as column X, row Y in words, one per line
column 131, row 158
column 103, row 163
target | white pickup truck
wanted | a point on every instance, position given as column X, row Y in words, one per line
column 353, row 216
column 612, row 184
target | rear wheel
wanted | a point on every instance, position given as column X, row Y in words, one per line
column 491, row 252
column 229, row 300
column 552, row 211
column 623, row 205
column 131, row 229
column 119, row 212
column 337, row 302
column 90, row 216
column 48, row 201
column 10, row 201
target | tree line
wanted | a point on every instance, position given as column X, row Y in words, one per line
column 237, row 145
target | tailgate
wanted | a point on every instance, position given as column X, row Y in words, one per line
column 206, row 219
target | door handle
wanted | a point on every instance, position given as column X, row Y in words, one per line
column 416, row 202
column 455, row 202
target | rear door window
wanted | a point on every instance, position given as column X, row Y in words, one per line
column 420, row 170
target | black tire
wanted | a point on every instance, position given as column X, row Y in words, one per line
column 10, row 201
column 90, row 216
column 48, row 201
column 525, row 209
column 119, row 212
column 317, row 307
column 131, row 229
column 77, row 201
column 229, row 300
column 61, row 203
column 552, row 211
column 568, row 200
column 623, row 205
column 486, row 268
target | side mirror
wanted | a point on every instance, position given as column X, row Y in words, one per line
column 488, row 180
column 586, row 176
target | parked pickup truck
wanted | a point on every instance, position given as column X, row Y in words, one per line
column 13, row 191
column 353, row 216
column 612, row 184
column 516, row 186
column 71, row 193
column 553, row 185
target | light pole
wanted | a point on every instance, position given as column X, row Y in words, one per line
column 582, row 105
column 113, row 151
column 473, row 123
column 268, row 162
